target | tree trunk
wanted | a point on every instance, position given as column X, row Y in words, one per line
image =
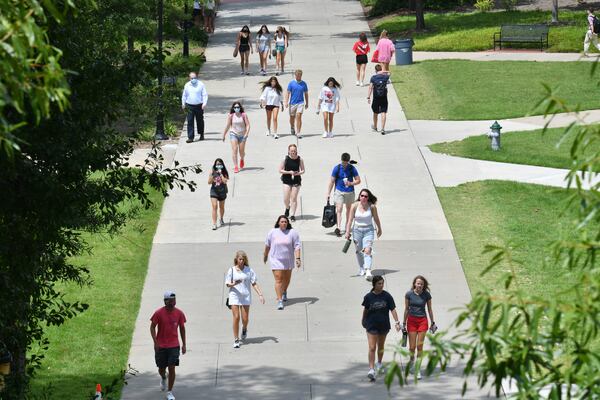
column 554, row 11
column 420, row 15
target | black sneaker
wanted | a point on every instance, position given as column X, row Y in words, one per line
column 338, row 233
column 244, row 334
column 287, row 212
column 189, row 140
column 383, row 131
column 293, row 218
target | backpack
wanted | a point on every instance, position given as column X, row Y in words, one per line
column 596, row 25
column 329, row 215
column 337, row 173
column 380, row 88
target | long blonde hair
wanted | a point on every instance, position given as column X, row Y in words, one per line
column 383, row 34
column 241, row 253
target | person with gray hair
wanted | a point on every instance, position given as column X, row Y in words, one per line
column 193, row 99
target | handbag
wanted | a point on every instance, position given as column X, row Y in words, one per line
column 227, row 301
column 274, row 53
column 375, row 57
column 329, row 215
column 235, row 52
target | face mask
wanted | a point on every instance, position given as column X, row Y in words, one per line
column 194, row 81
column 219, row 167
column 236, row 109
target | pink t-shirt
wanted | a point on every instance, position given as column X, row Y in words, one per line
column 386, row 49
column 282, row 245
column 168, row 322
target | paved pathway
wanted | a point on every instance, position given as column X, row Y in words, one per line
column 315, row 348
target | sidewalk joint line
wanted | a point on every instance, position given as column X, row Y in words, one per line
column 306, row 316
column 352, row 125
column 217, row 366
column 357, row 147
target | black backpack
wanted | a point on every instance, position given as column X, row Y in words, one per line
column 380, row 88
column 596, row 25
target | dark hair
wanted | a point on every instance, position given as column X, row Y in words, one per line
column 372, row 198
column 425, row 283
column 363, row 37
column 591, row 10
column 245, row 29
column 267, row 84
column 378, row 67
column 335, row 83
column 289, row 226
column 345, row 157
column 224, row 170
column 259, row 33
column 376, row 278
column 231, row 110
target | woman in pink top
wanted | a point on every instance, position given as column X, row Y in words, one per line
column 386, row 49
column 282, row 249
column 238, row 127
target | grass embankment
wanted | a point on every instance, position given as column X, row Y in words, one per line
column 528, row 217
column 474, row 31
column 528, row 147
column 474, row 90
column 93, row 347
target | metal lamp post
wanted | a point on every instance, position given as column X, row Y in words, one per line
column 186, row 41
column 494, row 136
column 160, row 116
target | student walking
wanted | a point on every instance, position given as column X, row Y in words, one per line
column 343, row 178
column 218, row 191
column 281, row 45
column 271, row 99
column 385, row 49
column 193, row 99
column 376, row 320
column 329, row 104
column 291, row 170
column 168, row 320
column 197, row 13
column 415, row 318
column 263, row 47
column 242, row 45
column 283, row 250
column 296, row 99
column 361, row 49
column 209, row 16
column 238, row 127
column 591, row 36
column 378, row 89
column 240, row 280
column 362, row 215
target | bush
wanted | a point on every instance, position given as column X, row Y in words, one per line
column 509, row 5
column 382, row 7
column 484, row 5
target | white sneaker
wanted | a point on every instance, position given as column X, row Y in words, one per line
column 380, row 368
column 325, row 135
column 214, row 227
column 368, row 275
column 268, row 133
column 170, row 396
column 280, row 305
column 330, row 135
column 357, row 83
column 163, row 384
column 371, row 375
column 361, row 272
column 221, row 222
column 236, row 344
column 362, row 84
column 275, row 136
column 299, row 135
column 244, row 334
column 419, row 377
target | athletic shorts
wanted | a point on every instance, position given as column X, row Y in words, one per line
column 167, row 357
column 343, row 197
column 209, row 13
column 379, row 105
column 271, row 107
column 361, row 59
column 279, row 49
column 378, row 331
column 416, row 324
column 218, row 197
column 296, row 108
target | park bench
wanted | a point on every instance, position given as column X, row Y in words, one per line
column 522, row 34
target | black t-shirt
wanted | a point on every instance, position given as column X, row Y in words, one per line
column 378, row 308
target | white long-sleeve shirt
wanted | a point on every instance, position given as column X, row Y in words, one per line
column 271, row 97
column 194, row 94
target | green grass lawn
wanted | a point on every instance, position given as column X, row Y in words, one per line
column 93, row 347
column 475, row 90
column 527, row 147
column 526, row 216
column 474, row 31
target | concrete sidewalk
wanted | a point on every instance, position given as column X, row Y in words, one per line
column 503, row 55
column 316, row 347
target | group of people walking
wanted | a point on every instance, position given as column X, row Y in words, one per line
column 283, row 247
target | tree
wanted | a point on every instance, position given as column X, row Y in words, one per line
column 69, row 174
column 539, row 343
column 420, row 15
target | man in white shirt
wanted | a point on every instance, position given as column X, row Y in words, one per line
column 194, row 99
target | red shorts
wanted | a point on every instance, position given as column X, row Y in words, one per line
column 416, row 324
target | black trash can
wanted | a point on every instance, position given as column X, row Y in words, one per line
column 404, row 55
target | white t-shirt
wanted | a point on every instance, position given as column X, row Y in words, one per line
column 241, row 294
column 330, row 97
column 196, row 4
column 271, row 97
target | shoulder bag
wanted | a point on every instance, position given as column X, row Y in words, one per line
column 227, row 301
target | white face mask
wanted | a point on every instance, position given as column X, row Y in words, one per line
column 194, row 81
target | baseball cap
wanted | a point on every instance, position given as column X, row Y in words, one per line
column 169, row 295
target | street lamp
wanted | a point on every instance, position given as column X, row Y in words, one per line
column 186, row 41
column 160, row 115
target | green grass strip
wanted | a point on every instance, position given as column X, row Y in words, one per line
column 94, row 346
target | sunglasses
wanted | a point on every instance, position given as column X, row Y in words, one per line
column 364, row 195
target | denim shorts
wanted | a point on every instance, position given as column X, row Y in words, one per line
column 167, row 357
column 279, row 49
column 235, row 136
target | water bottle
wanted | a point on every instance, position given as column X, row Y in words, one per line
column 404, row 337
column 346, row 246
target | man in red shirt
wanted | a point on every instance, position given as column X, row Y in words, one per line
column 166, row 340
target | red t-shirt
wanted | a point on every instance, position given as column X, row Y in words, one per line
column 168, row 322
column 361, row 48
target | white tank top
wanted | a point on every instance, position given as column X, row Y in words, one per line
column 280, row 41
column 363, row 219
column 238, row 125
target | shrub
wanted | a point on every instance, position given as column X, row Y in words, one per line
column 509, row 5
column 381, row 7
column 484, row 5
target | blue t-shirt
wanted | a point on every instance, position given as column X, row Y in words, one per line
column 297, row 90
column 339, row 173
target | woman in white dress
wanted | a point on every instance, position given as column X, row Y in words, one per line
column 271, row 100
column 329, row 104
column 240, row 280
